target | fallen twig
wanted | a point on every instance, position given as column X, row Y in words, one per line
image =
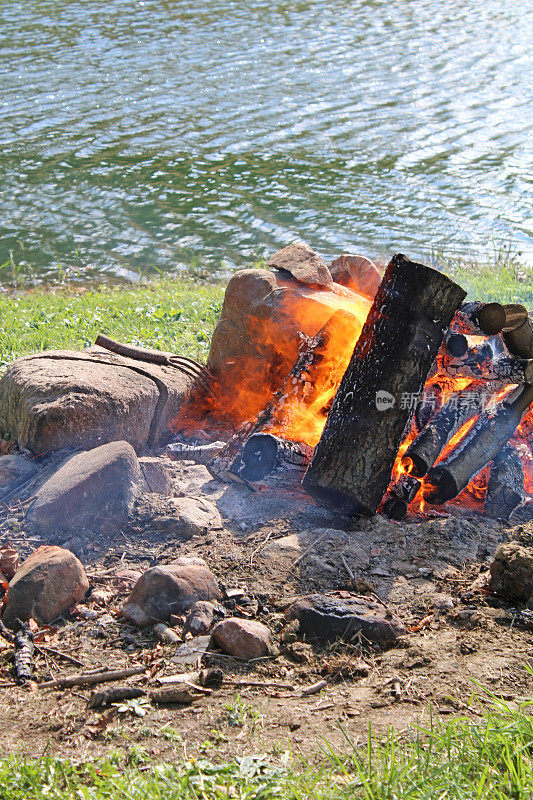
column 52, row 651
column 116, row 694
column 314, row 688
column 92, row 678
column 24, row 647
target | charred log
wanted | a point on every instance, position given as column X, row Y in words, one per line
column 352, row 463
column 491, row 431
column 274, row 462
column 487, row 319
column 429, row 444
column 199, row 453
column 400, row 495
column 482, row 363
column 520, row 340
column 505, row 489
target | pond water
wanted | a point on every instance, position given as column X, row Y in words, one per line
column 141, row 136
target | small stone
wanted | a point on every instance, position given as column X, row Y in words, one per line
column 442, row 602
column 48, row 583
column 299, row 652
column 156, row 477
column 357, row 273
column 200, row 617
column 302, row 263
column 324, row 618
column 190, row 517
column 242, row 638
column 15, row 470
column 511, row 572
column 93, row 489
column 170, row 589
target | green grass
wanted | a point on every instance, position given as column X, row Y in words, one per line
column 463, row 760
column 504, row 278
column 179, row 314
column 169, row 314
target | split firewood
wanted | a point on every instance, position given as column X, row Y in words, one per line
column 115, row 695
column 24, row 649
column 505, row 489
column 352, row 463
column 461, row 406
column 208, row 678
column 89, row 678
column 493, row 428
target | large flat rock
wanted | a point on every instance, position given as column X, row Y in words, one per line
column 68, row 398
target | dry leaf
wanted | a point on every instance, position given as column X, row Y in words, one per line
column 9, row 560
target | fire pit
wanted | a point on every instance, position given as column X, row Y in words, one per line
column 406, row 404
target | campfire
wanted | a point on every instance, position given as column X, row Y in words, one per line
column 404, row 400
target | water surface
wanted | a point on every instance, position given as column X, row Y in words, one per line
column 155, row 135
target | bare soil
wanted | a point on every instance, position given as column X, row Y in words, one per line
column 432, row 574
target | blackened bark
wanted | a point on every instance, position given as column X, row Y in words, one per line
column 505, row 489
column 352, row 464
column 270, row 461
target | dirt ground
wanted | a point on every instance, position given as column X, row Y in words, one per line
column 461, row 640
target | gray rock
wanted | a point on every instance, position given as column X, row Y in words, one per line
column 169, row 589
column 156, row 477
column 200, row 618
column 190, row 517
column 94, row 489
column 324, row 618
column 14, row 470
column 66, row 398
column 357, row 273
column 190, row 654
column 511, row 572
column 242, row 638
column 301, row 261
column 47, row 584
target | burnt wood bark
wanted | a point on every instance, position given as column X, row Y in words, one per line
column 422, row 453
column 24, row 650
column 505, row 489
column 352, row 463
column 491, row 431
column 274, row 462
column 400, row 495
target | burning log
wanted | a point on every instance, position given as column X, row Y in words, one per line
column 429, row 444
column 297, row 393
column 400, row 495
column 481, row 363
column 274, row 462
column 520, row 340
column 487, row 319
column 352, row 463
column 491, row 431
column 505, row 489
